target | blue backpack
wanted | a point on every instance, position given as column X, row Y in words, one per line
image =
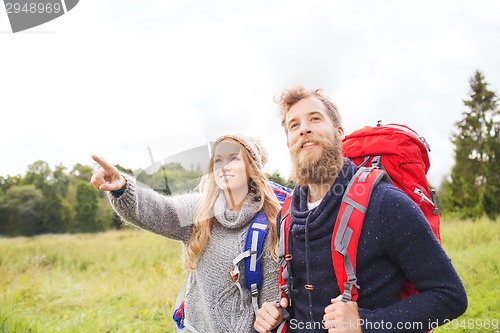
column 251, row 255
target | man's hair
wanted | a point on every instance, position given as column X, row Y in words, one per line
column 291, row 96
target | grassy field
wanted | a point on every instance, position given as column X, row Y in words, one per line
column 474, row 248
column 127, row 281
column 122, row 281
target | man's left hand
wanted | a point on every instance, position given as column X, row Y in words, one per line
column 342, row 317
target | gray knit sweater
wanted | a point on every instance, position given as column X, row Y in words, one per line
column 213, row 301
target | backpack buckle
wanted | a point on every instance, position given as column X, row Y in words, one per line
column 376, row 162
column 285, row 289
column 353, row 282
column 234, row 275
column 254, row 290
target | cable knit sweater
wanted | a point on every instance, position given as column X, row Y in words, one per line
column 396, row 241
column 213, row 301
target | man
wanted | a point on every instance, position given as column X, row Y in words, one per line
column 395, row 242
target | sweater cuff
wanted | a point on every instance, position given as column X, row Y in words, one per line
column 119, row 192
column 124, row 197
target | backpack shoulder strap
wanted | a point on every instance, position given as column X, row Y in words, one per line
column 283, row 255
column 252, row 252
column 283, row 258
column 255, row 243
column 348, row 227
column 251, row 256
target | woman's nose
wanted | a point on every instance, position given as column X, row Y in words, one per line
column 226, row 166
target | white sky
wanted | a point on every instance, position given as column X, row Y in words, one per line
column 112, row 77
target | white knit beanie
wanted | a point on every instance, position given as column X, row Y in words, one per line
column 252, row 145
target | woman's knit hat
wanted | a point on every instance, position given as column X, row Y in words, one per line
column 252, row 145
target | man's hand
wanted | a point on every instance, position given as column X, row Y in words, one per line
column 342, row 317
column 269, row 316
column 107, row 177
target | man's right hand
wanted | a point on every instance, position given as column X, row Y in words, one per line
column 269, row 316
column 107, row 177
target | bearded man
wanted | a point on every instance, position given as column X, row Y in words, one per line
column 395, row 242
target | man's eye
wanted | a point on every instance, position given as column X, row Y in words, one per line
column 294, row 125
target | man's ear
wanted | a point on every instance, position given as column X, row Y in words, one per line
column 341, row 132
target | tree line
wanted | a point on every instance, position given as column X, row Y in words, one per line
column 63, row 201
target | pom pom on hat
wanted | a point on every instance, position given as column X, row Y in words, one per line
column 252, row 145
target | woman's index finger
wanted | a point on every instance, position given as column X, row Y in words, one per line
column 105, row 165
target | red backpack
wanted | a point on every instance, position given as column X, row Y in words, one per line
column 403, row 155
column 394, row 152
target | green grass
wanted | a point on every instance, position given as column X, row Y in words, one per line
column 112, row 282
column 127, row 281
column 474, row 248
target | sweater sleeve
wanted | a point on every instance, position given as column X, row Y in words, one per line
column 169, row 216
column 410, row 243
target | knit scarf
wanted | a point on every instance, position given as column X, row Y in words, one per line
column 236, row 219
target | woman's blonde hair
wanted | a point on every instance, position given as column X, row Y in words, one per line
column 204, row 220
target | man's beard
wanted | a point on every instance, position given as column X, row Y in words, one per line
column 311, row 168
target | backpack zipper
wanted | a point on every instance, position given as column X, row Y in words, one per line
column 434, row 199
column 422, row 196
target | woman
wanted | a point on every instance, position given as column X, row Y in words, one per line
column 213, row 226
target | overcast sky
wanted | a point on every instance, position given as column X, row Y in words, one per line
column 113, row 77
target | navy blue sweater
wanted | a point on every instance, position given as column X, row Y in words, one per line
column 396, row 241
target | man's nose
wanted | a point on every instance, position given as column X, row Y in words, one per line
column 305, row 128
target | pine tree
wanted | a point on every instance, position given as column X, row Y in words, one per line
column 474, row 186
